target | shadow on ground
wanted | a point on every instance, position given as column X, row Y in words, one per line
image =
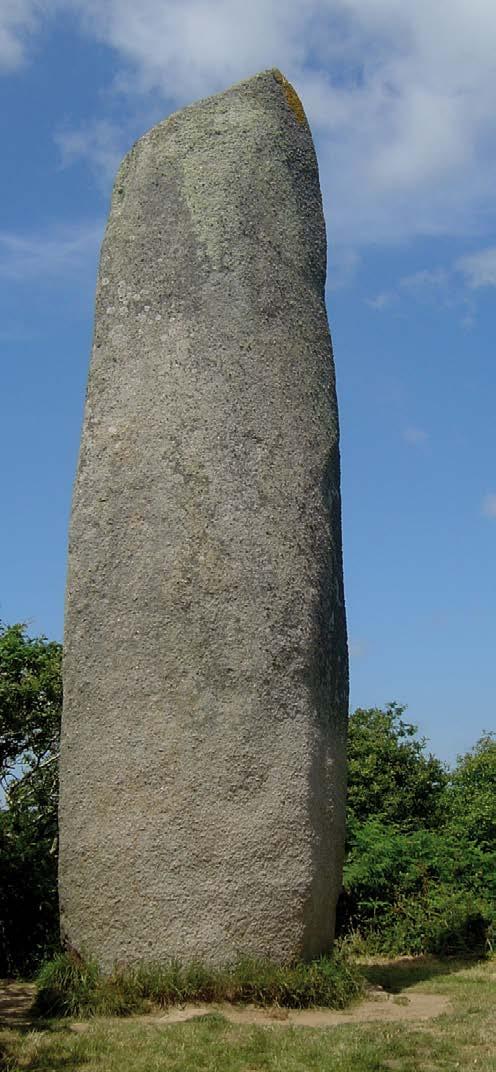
column 397, row 975
column 49, row 1060
column 17, row 1019
column 16, row 1001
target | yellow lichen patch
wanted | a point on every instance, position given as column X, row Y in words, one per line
column 291, row 96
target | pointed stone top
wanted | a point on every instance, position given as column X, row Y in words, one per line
column 268, row 75
column 258, row 85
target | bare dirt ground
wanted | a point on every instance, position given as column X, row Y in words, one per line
column 378, row 1006
column 16, row 1001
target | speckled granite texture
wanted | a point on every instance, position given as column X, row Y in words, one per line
column 205, row 671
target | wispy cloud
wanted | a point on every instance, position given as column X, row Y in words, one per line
column 357, row 649
column 47, row 256
column 381, row 301
column 415, row 436
column 343, row 264
column 400, row 95
column 18, row 20
column 425, row 280
column 425, row 285
column 100, row 143
column 449, row 286
column 489, row 505
column 479, row 269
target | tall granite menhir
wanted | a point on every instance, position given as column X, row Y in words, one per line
column 205, row 669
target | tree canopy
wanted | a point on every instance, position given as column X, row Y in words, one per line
column 420, row 869
column 30, row 711
column 30, row 699
column 390, row 776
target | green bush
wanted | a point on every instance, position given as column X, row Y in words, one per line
column 383, row 859
column 29, row 917
column 30, row 709
column 69, row 986
column 441, row 922
column 390, row 776
column 420, row 871
column 471, row 796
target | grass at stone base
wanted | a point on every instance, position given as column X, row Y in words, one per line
column 463, row 1039
column 69, row 986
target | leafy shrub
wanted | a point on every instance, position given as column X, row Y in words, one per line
column 30, row 708
column 411, row 886
column 390, row 777
column 471, row 796
column 383, row 859
column 29, row 918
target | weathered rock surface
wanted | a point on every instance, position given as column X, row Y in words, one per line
column 205, row 674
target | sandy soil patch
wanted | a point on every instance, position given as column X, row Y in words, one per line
column 378, row 1006
column 16, row 1000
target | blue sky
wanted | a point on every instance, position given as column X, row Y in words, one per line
column 401, row 101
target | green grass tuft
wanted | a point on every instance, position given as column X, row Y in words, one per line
column 69, row 986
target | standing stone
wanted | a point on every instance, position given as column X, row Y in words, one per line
column 205, row 670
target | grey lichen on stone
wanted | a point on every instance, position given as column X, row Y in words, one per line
column 205, row 667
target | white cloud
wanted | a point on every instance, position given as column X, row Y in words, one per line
column 18, row 19
column 425, row 278
column 381, row 301
column 357, row 649
column 400, row 95
column 426, row 284
column 443, row 286
column 100, row 142
column 343, row 262
column 467, row 322
column 186, row 48
column 416, row 437
column 489, row 505
column 479, row 268
column 45, row 256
